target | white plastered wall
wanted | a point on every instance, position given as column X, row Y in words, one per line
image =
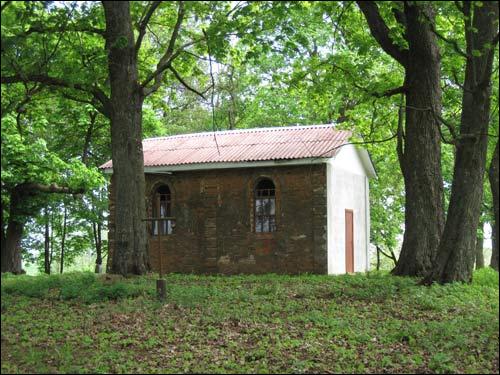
column 347, row 188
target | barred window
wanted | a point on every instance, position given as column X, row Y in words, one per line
column 162, row 207
column 265, row 206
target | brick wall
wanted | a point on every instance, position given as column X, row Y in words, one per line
column 214, row 230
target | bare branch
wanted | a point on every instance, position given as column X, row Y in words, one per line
column 184, row 83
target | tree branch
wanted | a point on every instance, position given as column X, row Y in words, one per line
column 143, row 24
column 391, row 92
column 392, row 256
column 167, row 58
column 453, row 43
column 55, row 29
column 358, row 143
column 31, row 187
column 184, row 83
column 97, row 93
column 380, row 31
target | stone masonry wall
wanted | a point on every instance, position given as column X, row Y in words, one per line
column 214, row 230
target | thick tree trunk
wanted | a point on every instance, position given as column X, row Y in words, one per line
column 456, row 253
column 421, row 160
column 47, row 243
column 11, row 246
column 494, row 182
column 63, row 240
column 129, row 242
column 421, row 157
column 480, row 246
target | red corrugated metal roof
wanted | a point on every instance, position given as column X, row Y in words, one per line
column 257, row 144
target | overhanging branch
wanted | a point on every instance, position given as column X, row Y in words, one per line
column 32, row 187
column 380, row 31
column 97, row 93
column 58, row 29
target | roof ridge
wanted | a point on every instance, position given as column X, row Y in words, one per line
column 247, row 130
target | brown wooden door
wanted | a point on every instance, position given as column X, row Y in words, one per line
column 349, row 241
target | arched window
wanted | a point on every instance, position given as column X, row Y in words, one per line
column 162, row 207
column 265, row 206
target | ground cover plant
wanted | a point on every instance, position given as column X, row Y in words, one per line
column 375, row 322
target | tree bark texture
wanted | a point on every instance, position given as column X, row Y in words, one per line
column 47, row 243
column 63, row 239
column 421, row 158
column 456, row 252
column 96, row 228
column 480, row 246
column 11, row 246
column 493, row 177
column 129, row 242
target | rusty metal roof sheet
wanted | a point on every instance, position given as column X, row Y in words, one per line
column 257, row 144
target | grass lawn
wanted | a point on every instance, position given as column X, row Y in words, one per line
column 83, row 323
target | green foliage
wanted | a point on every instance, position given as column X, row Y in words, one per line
column 84, row 287
column 377, row 323
column 25, row 159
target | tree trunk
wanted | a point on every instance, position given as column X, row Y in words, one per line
column 130, row 241
column 88, row 138
column 421, row 159
column 47, row 243
column 3, row 239
column 11, row 246
column 456, row 253
column 480, row 246
column 493, row 177
column 96, row 227
column 63, row 240
column 51, row 256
